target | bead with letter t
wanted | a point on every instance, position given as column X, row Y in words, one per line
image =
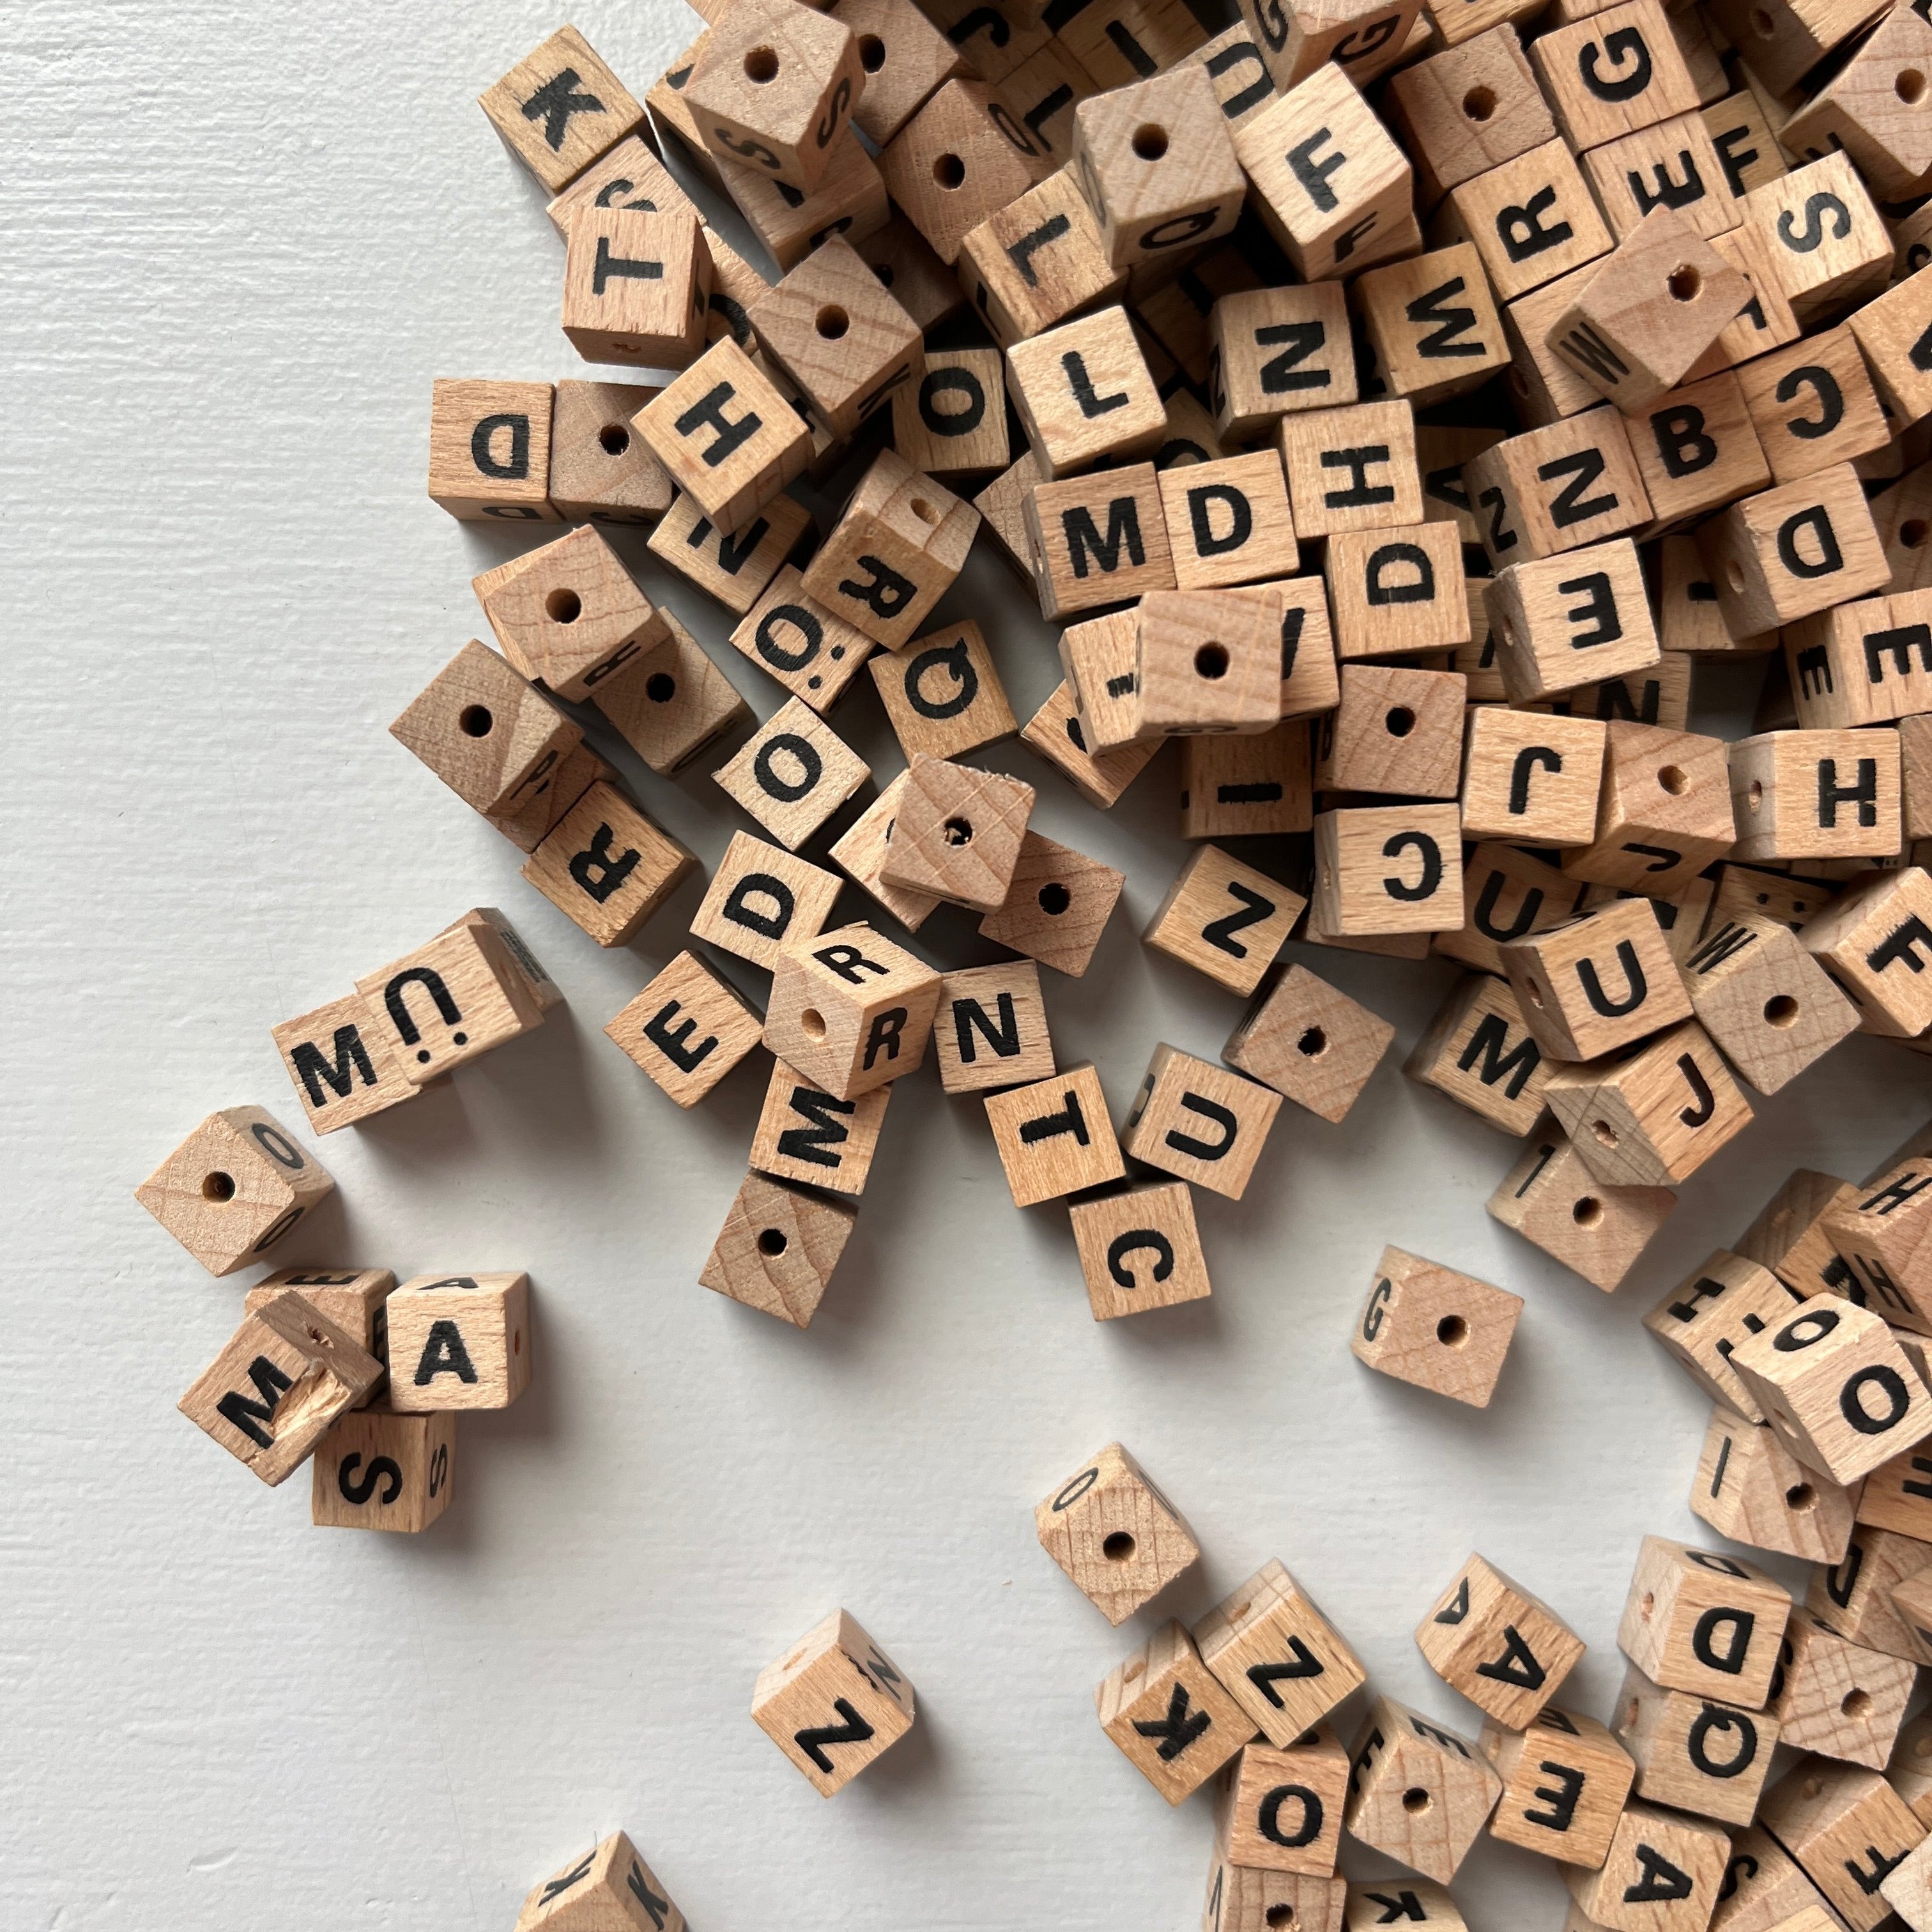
column 637, row 287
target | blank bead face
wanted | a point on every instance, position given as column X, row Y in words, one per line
column 233, row 1188
column 1115, row 1535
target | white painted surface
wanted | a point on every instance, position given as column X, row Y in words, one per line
column 239, row 251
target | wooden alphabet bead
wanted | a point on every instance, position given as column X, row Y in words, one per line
column 1387, row 869
column 1055, row 732
column 1614, row 72
column 1478, row 1051
column 673, row 703
column 1383, row 1901
column 606, row 867
column 1707, row 1624
column 898, row 546
column 1788, row 1236
column 805, row 1134
column 1907, row 1887
column 1826, row 242
column 559, row 108
column 1764, row 1001
column 1228, row 521
column 1055, row 1137
column 286, row 1345
column 377, row 1470
column 1397, row 590
column 1482, row 1613
column 600, row 472
column 1671, row 164
column 1661, row 1873
column 1769, row 1890
column 1235, row 65
column 233, row 1188
column 1098, row 539
column 1531, row 779
column 1084, row 393
column 1868, row 940
column 1417, row 1792
column 851, row 1010
column 1836, row 1387
column 1434, row 324
column 960, row 160
column 810, row 649
column 1565, row 1779
column 958, row 833
column 834, row 1703
column 1446, row 1332
column 793, row 773
column 688, row 1029
column 761, row 900
column 1309, row 1042
column 1466, row 109
column 1792, row 551
column 1703, row 1319
column 1206, row 661
column 1531, row 219
column 1169, row 1715
column 990, row 1029
column 1139, row 1250
column 733, row 569
column 1694, row 1754
column 1507, row 892
column 943, row 695
column 1281, row 1810
column 778, row 1248
column 1200, row 1122
column 953, row 424
column 1837, row 1698
column 628, row 176
column 1890, row 330
column 1813, row 405
column 1817, row 794
column 1224, row 919
column 610, row 1889
column 1544, row 613
column 1863, row 663
column 1057, row 906
column 1855, row 1595
column 1278, row 350
column 1352, row 469
column 637, row 287
column 356, row 1300
column 1360, row 36
column 459, row 1342
column 1879, row 1232
column 1570, row 484
column 345, row 1068
column 1867, row 110
column 1395, row 731
column 489, row 450
column 1037, row 261
column 1848, row 1829
column 725, row 436
column 1119, row 1540
column 905, row 57
column 1327, row 178
column 1663, row 815
column 1250, row 783
column 1553, row 1201
column 1241, row 1897
column 1278, row 1657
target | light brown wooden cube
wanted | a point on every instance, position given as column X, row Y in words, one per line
column 1200, row 1122
column 1043, row 93
column 1703, row 1319
column 1478, row 1051
column 1769, row 1888
column 1867, row 110
column 1504, row 1650
column 1879, row 1231
column 1205, row 661
column 1764, row 1001
column 1348, row 203
column 1597, row 983
column 1617, row 70
column 1565, row 1779
column 1508, row 891
column 1433, row 323
column 1788, row 1237
column 1276, row 350
column 285, row 1345
column 637, row 287
column 1084, row 393
column 793, row 773
column 1139, row 1250
column 601, row 471
column 1235, row 65
column 810, row 649
column 761, row 900
column 1837, row 1698
column 1228, row 521
column 1360, row 36
column 849, row 200
column 990, row 1029
column 1662, row 1872
column 953, row 424
column 609, row 1889
column 1036, row 261
column 1119, row 1540
column 805, row 1134
column 1241, row 1898
column 1813, row 405
column 234, row 1188
column 734, row 569
column 1793, row 550
column 1531, row 219
column 1855, row 1595
column 1848, row 1829
column 1443, row 1331
column 833, row 1703
column 1055, row 1137
column 1098, row 539
column 1664, row 813
column 1697, row 449
column 1055, row 732
column 1570, row 484
column 1278, row 1656
column 1417, row 1792
column 489, row 450
column 778, row 1248
column 560, row 108
column 1816, row 795
column 1867, row 939
column 344, row 1067
column 1693, row 1752
column 725, row 436
column 851, row 1010
column 1530, row 778
column 1553, row 1200
column 1672, row 165
column 673, row 703
column 1889, row 330
column 1224, row 919
column 377, row 1470
column 356, row 1300
column 943, row 695
column 958, row 833
column 1395, row 731
column 1387, row 869
column 1057, row 906
column 606, row 867
column 1397, row 590
column 1907, row 1887
column 1707, row 1624
column 1352, row 469
column 1467, row 109
column 1281, row 1810
column 459, row 1342
column 1100, row 657
column 1824, row 250
column 1576, row 617
column 960, row 160
column 1169, row 1714
column 688, row 1029
column 1417, row 1901
column 905, row 57
column 1855, row 664
column 1310, row 1042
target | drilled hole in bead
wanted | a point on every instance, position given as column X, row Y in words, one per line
column 563, row 606
column 1149, row 142
column 1734, row 575
column 771, row 1241
column 1671, row 778
column 957, row 832
column 1756, row 794
column 1910, row 87
column 1605, row 1133
column 1399, row 722
column 218, row 1187
column 1812, row 1787
column 1856, row 1704
column 1587, row 1212
column 1055, row 898
column 1312, row 1044
column 927, row 513
column 1280, row 1918
column 831, row 321
column 1912, row 532
column 1632, row 1711
column 1780, row 1010
column 948, row 171
column 1762, row 25
column 474, row 720
column 761, row 65
column 872, row 52
column 1118, row 1547
column 1684, row 283
column 1452, row 1331
column 811, row 1023
column 1415, row 1800
column 661, row 687
column 1647, row 1609
column 1210, row 661
column 1801, row 1497
column 614, row 439
column 1535, row 993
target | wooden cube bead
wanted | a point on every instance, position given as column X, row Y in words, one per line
column 1816, row 795
column 1433, row 323
column 726, row 435
column 1570, row 484
column 672, row 704
column 1865, row 111
column 1239, row 71
column 1281, row 1810
column 1788, row 1237
column 1055, row 1137
column 1310, row 1041
column 1707, row 1624
column 1504, row 1650
column 356, row 1300
column 1508, row 891
column 1205, row 661
column 1276, row 1654
column 1200, row 1122
column 1224, row 919
column 1879, row 1231
column 810, row 649
column 606, row 867
column 1693, row 1752
column 1387, row 869
column 688, row 1029
column 1352, row 469
column 1417, row 1792
column 1427, row 1324
column 959, row 161
column 1855, row 1595
column 1249, row 784
column 344, row 1066
column 1792, row 551
column 459, row 1342
column 943, row 695
column 1327, row 178
column 990, row 1029
column 1764, row 1001
column 905, row 57
column 1617, row 70
column 1119, row 1540
column 490, row 451
column 833, row 1703
column 778, row 1248
column 1907, row 1887
column 284, row 1344
column 793, row 773
column 958, row 833
column 1055, row 732
column 1837, row 1698
column 1037, row 261
column 1478, row 1051
column 1597, row 983
column 1098, row 539
column 1565, row 1779
column 637, row 287
column 805, row 1134
column 560, row 108
column 1863, row 663
column 1813, row 405
column 1397, row 590
column 1671, row 164
column 1084, row 393
column 1395, row 731
column 1241, row 1898
column 1826, row 240
column 1139, row 1250
column 1578, row 617
column 1867, row 939
column 1360, row 35
column 1228, row 521
column 953, row 424
column 849, row 200
column 1466, row 109
column 1278, row 350
column 1662, row 1871
column 1416, row 1901
column 377, row 1470
column 1531, row 219
column 1169, row 1714
column 1703, row 1319
column 1888, row 330
column 1848, row 1829
column 1057, row 905
column 761, row 900
column 1664, row 813
column 851, row 1010
column 601, row 471
column 234, row 1188
column 1553, row 1201
column 733, row 569
column 609, row 1889
column 1531, row 778
column 1771, row 1889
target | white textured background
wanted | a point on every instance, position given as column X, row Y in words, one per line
column 238, row 250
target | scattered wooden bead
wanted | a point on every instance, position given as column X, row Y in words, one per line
column 234, row 1188
column 1139, row 1250
column 1868, row 940
column 1228, row 521
column 560, row 108
column 1531, row 219
column 811, row 650
column 1565, row 1779
column 1169, row 1715
column 1351, row 468
column 637, row 287
column 611, row 1889
column 489, row 450
column 377, row 1470
column 1205, row 661
column 1224, row 919
column 1281, row 1810
column 805, row 1134
column 942, row 694
column 1098, row 539
column 1617, row 70
column 834, row 1703
column 1553, row 1200
column 851, row 1010
column 1597, row 983
column 761, row 899
column 1879, row 1232
column 1813, row 405
column 356, row 1300
column 1792, row 551
column 1707, row 1624
column 1387, row 869
column 606, row 867
column 1119, row 1540
column 1704, row 1318
column 778, row 1248
column 953, row 424
column 1837, row 1698
column 1483, row 1611
column 959, row 161
column 1531, row 779
column 958, row 833
column 1055, row 732
column 1764, row 1001
column 672, row 704
column 1478, row 1052
column 1200, row 1122
column 793, row 773
column 1310, row 1042
column 1055, row 1137
column 1395, row 731
column 905, row 58
column 1667, row 1867
column 1275, row 351
column 1695, row 1754
column 1057, row 906
column 990, row 1029
column 1816, row 795
column 1434, row 324
column 1245, row 784
column 1037, row 261
column 734, row 569
column 459, row 1342
column 688, row 1029
column 1427, row 1324
column 1417, row 1792
column 1847, row 1829
column 1397, row 590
